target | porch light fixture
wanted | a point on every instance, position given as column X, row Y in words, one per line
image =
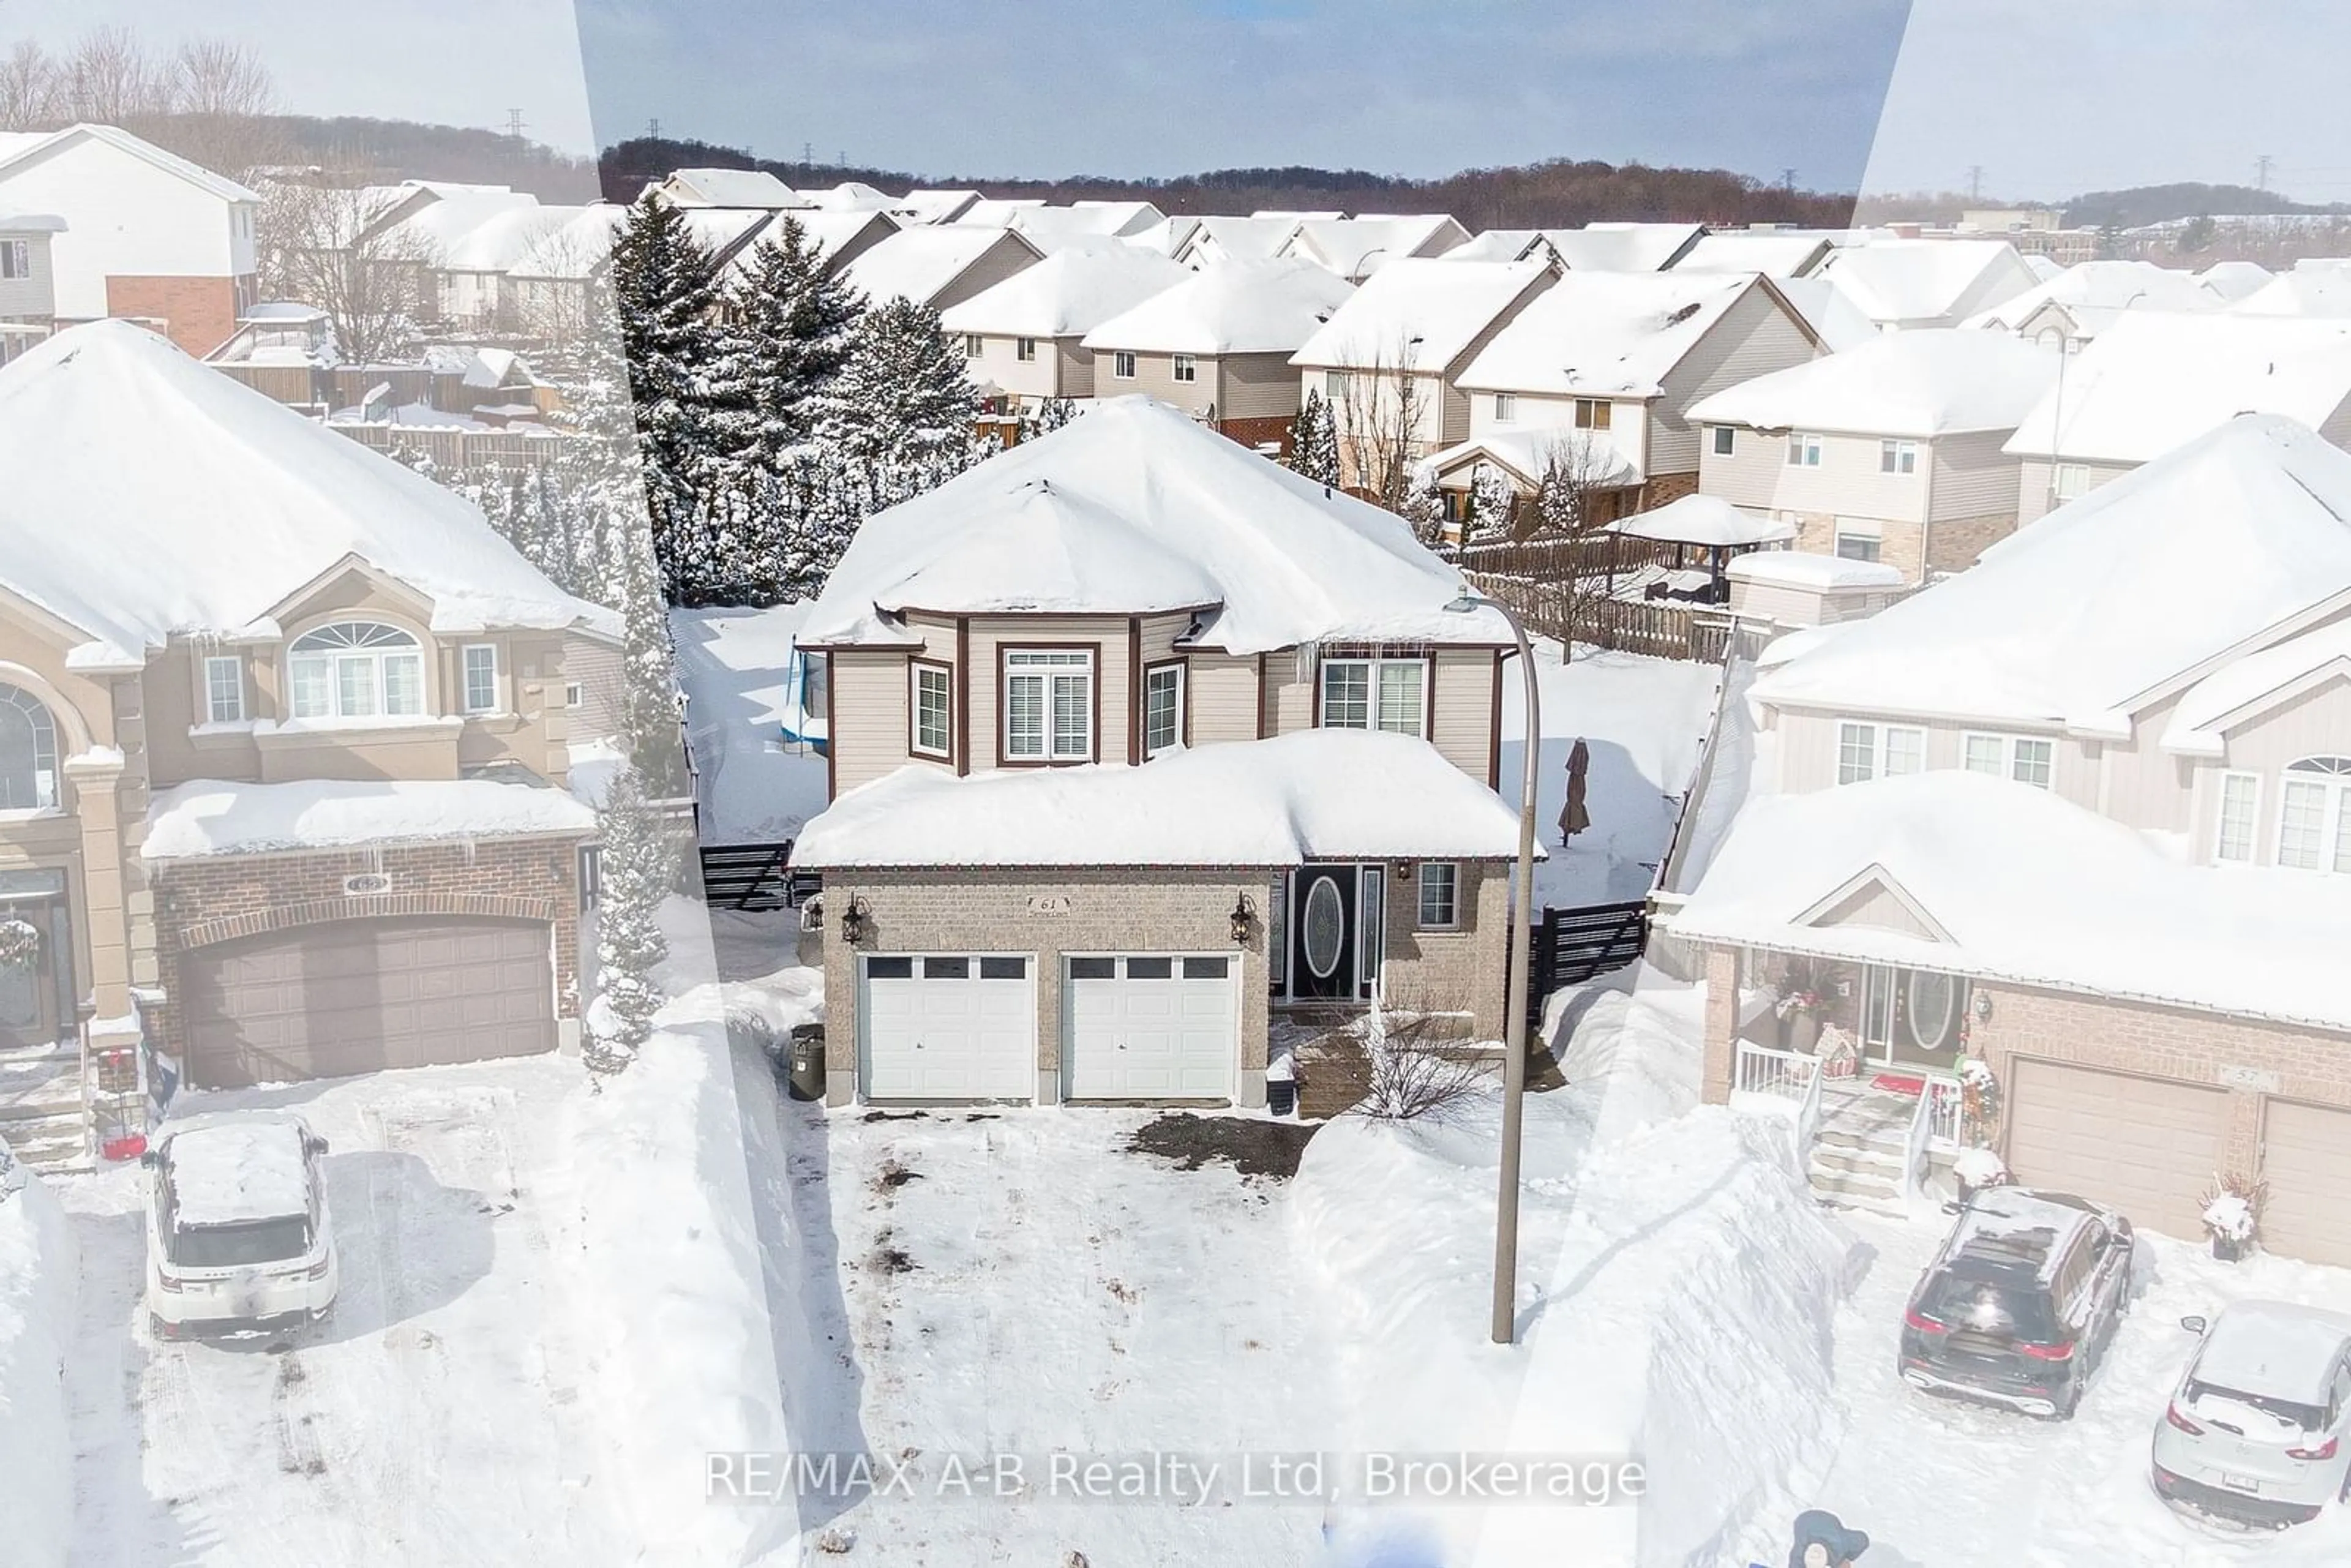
column 1983, row 1006
column 856, row 922
column 1514, row 1058
column 1244, row 913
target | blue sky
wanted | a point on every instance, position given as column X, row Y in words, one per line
column 1166, row 87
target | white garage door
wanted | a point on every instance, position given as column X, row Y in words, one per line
column 1153, row 1026
column 2306, row 1160
column 2147, row 1146
column 949, row 1026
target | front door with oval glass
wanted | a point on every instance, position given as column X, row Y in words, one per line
column 1335, row 932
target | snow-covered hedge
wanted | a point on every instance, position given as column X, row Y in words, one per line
column 37, row 1309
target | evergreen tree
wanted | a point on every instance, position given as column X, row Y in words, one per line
column 648, row 699
column 1424, row 506
column 634, row 877
column 1046, row 416
column 902, row 403
column 795, row 323
column 1314, row 441
column 1493, row 501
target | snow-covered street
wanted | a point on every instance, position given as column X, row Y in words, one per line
column 433, row 1417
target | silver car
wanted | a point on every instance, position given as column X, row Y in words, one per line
column 2259, row 1430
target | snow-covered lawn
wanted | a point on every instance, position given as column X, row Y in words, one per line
column 1643, row 720
column 436, row 1415
column 733, row 666
column 1944, row 1485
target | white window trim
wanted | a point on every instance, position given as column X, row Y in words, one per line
column 1052, row 754
column 1372, row 690
column 1878, row 732
column 1724, row 440
column 213, row 714
column 1892, row 457
column 2064, row 492
column 2253, row 825
column 1506, row 408
column 1840, row 533
column 335, row 658
column 1122, row 364
column 1804, row 449
column 2335, row 804
column 1420, row 909
column 1024, row 349
column 1184, row 368
column 2007, row 743
column 574, row 695
column 972, row 346
column 466, row 679
column 915, row 670
column 1183, row 680
column 16, row 259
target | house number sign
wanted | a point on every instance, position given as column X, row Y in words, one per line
column 2251, row 1078
column 1049, row 903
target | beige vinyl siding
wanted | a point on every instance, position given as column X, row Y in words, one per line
column 1974, row 478
column 2034, row 475
column 594, row 666
column 1221, row 690
column 2315, row 724
column 1288, row 692
column 1784, row 602
column 1254, row 386
column 2140, row 783
column 1755, row 337
column 868, row 714
column 1073, row 367
column 2336, row 426
column 1112, row 700
column 1155, row 375
column 1627, row 419
column 1876, row 905
column 1750, row 475
column 999, row 361
column 1808, row 751
column 34, row 295
column 993, row 265
column 1457, row 401
column 1461, row 720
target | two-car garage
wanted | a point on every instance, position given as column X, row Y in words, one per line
column 1135, row 1026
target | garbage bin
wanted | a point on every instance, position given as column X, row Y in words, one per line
column 805, row 1075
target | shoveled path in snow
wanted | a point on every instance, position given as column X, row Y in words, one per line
column 1940, row 1484
column 1016, row 1281
column 431, row 1418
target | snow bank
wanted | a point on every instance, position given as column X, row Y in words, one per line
column 210, row 817
column 1677, row 1294
column 670, row 1254
column 741, row 690
column 38, row 1273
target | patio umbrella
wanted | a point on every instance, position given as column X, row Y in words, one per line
column 1573, row 817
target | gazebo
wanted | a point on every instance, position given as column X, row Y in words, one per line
column 1704, row 524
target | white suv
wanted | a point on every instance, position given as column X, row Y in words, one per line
column 238, row 1238
column 2259, row 1430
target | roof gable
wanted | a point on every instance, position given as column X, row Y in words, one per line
column 1607, row 334
column 217, row 185
column 1873, row 897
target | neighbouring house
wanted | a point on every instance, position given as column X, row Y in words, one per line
column 1101, row 714
column 470, row 276
column 743, row 188
column 1614, row 361
column 938, row 264
column 147, row 235
column 2231, row 281
column 2151, row 382
column 1214, row 241
column 2105, row 850
column 1904, row 284
column 2080, row 302
column 1621, row 246
column 1387, row 360
column 936, row 206
column 1219, row 344
column 996, row 212
column 1778, row 254
column 1052, row 228
column 1359, row 246
column 414, row 229
column 282, row 749
column 1023, row 339
column 1892, row 451
column 2321, row 293
column 28, row 292
column 1797, row 589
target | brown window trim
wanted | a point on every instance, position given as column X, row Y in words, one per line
column 915, row 747
column 1494, row 730
column 1183, row 704
column 1004, row 704
column 963, row 696
column 1423, row 655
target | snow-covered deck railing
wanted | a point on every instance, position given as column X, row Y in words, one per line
column 1774, row 1073
column 1934, row 1127
column 1808, row 1122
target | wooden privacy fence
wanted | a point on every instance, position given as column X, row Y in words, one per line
column 1663, row 628
column 1571, row 945
column 454, row 449
column 1560, row 559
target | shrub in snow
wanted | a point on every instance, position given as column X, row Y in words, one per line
column 2232, row 1209
column 1314, row 441
column 1979, row 1168
column 636, row 874
column 1493, row 504
column 1415, row 1071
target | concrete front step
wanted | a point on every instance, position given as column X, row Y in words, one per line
column 1892, row 1206
column 52, row 1150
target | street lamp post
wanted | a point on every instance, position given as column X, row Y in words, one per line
column 1514, row 1058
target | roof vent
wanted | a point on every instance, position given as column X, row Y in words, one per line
column 1682, row 315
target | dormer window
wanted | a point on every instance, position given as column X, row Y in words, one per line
column 357, row 670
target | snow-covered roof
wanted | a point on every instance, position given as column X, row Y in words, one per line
column 1289, row 560
column 2076, row 618
column 1831, row 313
column 149, row 495
column 1606, row 333
column 1926, row 280
column 729, row 188
column 439, row 226
column 1707, row 520
column 2028, row 887
column 18, row 147
column 1494, row 245
column 2195, row 726
column 1368, row 245
column 577, row 250
column 1237, row 308
column 12, row 221
column 1240, row 239
column 1052, row 228
column 1529, row 450
column 2273, row 1350
column 211, row 817
column 936, row 206
column 1038, row 549
column 822, row 233
column 918, row 263
column 1773, row 252
column 1168, row 236
column 1424, row 311
column 1936, row 382
column 1802, row 569
column 2095, row 292
column 2234, row 280
column 2149, row 383
column 506, row 238
column 2310, row 292
column 1274, row 802
column 1067, row 294
column 996, row 211
column 234, row 1168
column 1623, row 247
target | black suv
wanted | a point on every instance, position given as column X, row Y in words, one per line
column 2022, row 1297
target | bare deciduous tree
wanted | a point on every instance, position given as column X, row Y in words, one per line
column 210, row 101
column 111, row 80
column 1378, row 405
column 1577, row 470
column 31, row 89
column 220, row 99
column 1418, row 1069
column 328, row 244
column 554, row 297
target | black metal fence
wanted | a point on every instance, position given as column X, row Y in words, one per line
column 1571, row 945
column 748, row 876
